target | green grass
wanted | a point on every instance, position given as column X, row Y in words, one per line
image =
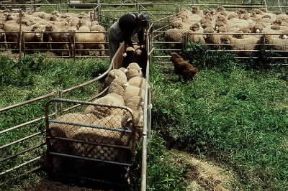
column 31, row 77
column 237, row 116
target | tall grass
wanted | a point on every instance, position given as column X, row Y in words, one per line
column 235, row 115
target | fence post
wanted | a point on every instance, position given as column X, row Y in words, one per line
column 59, row 106
column 20, row 35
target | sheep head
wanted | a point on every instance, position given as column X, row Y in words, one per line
column 195, row 27
column 195, row 10
column 220, row 9
column 226, row 39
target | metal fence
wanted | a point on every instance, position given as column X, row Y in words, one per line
column 22, row 132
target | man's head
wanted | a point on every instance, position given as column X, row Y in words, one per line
column 144, row 20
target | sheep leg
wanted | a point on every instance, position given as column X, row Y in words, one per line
column 102, row 49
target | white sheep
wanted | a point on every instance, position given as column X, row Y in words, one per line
column 131, row 91
column 134, row 70
column 137, row 81
column 115, row 73
column 111, row 99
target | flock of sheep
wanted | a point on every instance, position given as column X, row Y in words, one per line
column 209, row 27
column 126, row 88
column 55, row 32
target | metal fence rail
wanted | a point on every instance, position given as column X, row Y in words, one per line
column 29, row 134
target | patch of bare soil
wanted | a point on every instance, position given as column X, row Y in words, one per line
column 47, row 185
column 203, row 175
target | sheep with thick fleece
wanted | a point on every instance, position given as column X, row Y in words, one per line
column 276, row 42
column 117, row 86
column 102, row 136
column 135, row 103
column 113, row 74
column 66, row 131
column 134, row 70
column 112, row 99
column 137, row 81
column 211, row 38
column 87, row 40
column 174, row 35
column 247, row 43
column 131, row 91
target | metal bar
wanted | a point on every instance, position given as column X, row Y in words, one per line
column 22, row 152
column 88, row 82
column 87, row 158
column 19, row 166
column 28, row 102
column 91, row 126
column 89, row 143
column 21, row 125
column 20, row 140
column 92, row 98
column 21, row 175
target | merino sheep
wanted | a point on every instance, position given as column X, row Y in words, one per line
column 134, row 70
column 135, row 103
column 243, row 45
column 87, row 40
column 131, row 91
column 276, row 42
column 111, row 99
column 102, row 137
column 182, row 67
column 117, row 86
column 138, row 82
column 113, row 74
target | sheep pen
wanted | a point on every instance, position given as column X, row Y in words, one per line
column 246, row 33
column 59, row 34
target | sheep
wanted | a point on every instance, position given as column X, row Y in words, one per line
column 88, row 40
column 117, row 86
column 236, row 24
column 111, row 99
column 135, row 103
column 113, row 74
column 182, row 67
column 138, row 82
column 192, row 37
column 102, row 137
column 195, row 38
column 174, row 35
column 59, row 39
column 258, row 28
column 196, row 10
column 97, row 28
column 211, row 38
column 277, row 42
column 66, row 131
column 131, row 91
column 205, row 23
column 220, row 27
column 247, row 43
column 133, row 70
column 232, row 16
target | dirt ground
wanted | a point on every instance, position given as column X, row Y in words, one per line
column 203, row 175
